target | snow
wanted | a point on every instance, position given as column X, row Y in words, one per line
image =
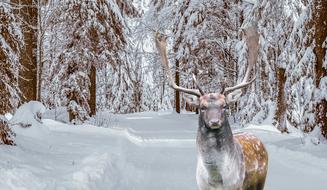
column 8, row 116
column 254, row 2
column 143, row 151
column 27, row 113
column 27, row 121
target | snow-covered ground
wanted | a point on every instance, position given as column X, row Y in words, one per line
column 143, row 151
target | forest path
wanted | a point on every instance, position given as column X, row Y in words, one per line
column 144, row 151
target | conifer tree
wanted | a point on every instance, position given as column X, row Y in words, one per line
column 11, row 43
column 27, row 11
column 320, row 37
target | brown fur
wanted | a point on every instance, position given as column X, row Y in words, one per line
column 255, row 160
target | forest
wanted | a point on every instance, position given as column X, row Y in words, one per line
column 96, row 62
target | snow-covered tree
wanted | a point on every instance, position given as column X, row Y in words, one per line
column 91, row 35
column 137, row 83
column 320, row 38
column 27, row 14
column 11, row 43
column 200, row 39
column 6, row 134
column 206, row 40
column 99, row 54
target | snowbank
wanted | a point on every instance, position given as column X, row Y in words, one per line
column 27, row 121
column 145, row 151
column 97, row 172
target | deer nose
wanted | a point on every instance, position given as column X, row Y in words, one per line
column 214, row 122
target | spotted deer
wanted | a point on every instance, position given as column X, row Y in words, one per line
column 225, row 161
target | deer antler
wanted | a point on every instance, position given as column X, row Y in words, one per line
column 197, row 84
column 252, row 40
column 161, row 44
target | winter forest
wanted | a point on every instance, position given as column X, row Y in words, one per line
column 87, row 102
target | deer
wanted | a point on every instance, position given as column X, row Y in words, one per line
column 225, row 161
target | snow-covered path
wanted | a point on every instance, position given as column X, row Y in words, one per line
column 145, row 151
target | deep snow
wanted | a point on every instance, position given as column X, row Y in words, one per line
column 143, row 151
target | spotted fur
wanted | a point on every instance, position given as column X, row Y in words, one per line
column 240, row 164
column 255, row 159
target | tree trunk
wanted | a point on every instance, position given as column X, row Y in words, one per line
column 281, row 102
column 27, row 83
column 6, row 134
column 71, row 112
column 5, row 64
column 92, row 88
column 320, row 25
column 177, row 96
column 39, row 65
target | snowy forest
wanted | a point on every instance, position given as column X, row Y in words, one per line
column 69, row 65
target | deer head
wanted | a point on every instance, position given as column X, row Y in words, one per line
column 212, row 105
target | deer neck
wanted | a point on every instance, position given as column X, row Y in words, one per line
column 218, row 153
column 218, row 140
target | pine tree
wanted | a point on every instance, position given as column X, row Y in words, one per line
column 11, row 39
column 280, row 113
column 320, row 37
column 161, row 10
column 28, row 13
column 90, row 35
column 205, row 34
column 6, row 134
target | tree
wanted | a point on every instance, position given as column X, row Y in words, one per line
column 161, row 10
column 205, row 34
column 9, row 55
column 27, row 12
column 88, row 35
column 10, row 46
column 6, row 134
column 11, row 38
column 320, row 37
column 280, row 113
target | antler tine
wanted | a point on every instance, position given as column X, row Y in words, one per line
column 223, row 86
column 252, row 40
column 161, row 45
column 197, row 84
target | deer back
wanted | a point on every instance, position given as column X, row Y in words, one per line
column 255, row 158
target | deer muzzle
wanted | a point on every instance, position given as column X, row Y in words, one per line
column 214, row 123
column 215, row 119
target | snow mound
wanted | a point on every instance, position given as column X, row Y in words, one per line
column 8, row 116
column 97, row 172
column 18, row 178
column 27, row 120
column 29, row 114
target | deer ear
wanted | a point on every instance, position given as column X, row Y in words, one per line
column 233, row 96
column 194, row 102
